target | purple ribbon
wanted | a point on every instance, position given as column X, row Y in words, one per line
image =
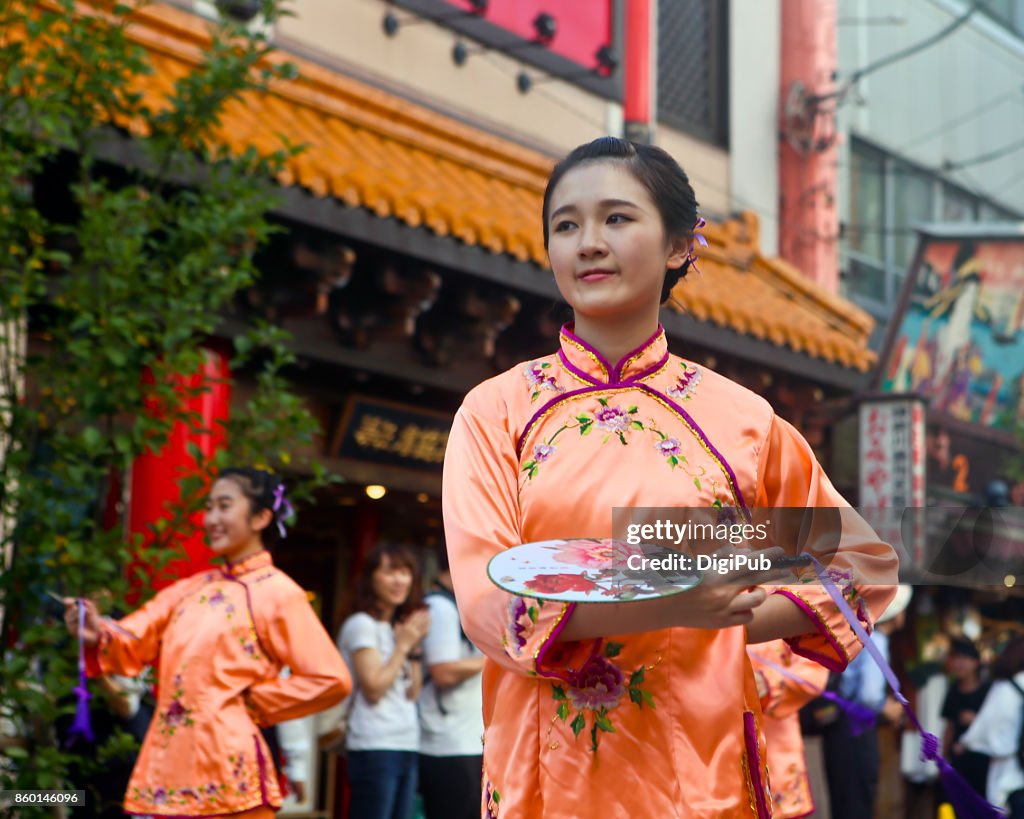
column 965, row 801
column 287, row 510
column 81, row 728
column 860, row 716
column 691, row 255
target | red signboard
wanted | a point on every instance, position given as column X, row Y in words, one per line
column 583, row 26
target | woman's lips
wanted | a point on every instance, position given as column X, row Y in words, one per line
column 595, row 275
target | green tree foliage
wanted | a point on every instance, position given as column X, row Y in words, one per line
column 130, row 275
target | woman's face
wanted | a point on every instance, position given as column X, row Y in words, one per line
column 607, row 243
column 230, row 526
column 392, row 582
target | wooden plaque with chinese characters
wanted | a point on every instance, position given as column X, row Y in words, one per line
column 390, row 433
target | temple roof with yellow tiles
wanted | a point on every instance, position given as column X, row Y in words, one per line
column 373, row 150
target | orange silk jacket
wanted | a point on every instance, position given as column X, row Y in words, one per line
column 787, row 764
column 220, row 638
column 660, row 724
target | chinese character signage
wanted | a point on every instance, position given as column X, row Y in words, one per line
column 392, row 434
column 892, row 453
column 892, row 470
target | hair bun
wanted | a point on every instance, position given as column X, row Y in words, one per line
column 672, row 278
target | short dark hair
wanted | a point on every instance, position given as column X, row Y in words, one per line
column 657, row 171
column 259, row 486
column 1010, row 660
column 964, row 647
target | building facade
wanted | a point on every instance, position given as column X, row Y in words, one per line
column 927, row 135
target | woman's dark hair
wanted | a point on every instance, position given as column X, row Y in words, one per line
column 366, row 597
column 1010, row 660
column 657, row 171
column 259, row 486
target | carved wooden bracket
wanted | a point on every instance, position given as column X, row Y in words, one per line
column 465, row 325
column 383, row 305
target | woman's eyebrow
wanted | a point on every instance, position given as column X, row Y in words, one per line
column 604, row 203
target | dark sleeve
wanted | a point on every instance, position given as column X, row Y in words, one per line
column 950, row 710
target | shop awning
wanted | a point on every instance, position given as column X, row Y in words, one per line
column 373, row 151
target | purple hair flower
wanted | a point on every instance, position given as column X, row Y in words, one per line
column 285, row 506
column 698, row 238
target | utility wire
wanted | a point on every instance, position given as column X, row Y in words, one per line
column 969, row 185
column 989, row 156
column 734, row 200
column 841, row 94
column 996, row 102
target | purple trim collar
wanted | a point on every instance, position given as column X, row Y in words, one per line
column 614, row 374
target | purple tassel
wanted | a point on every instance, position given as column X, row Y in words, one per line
column 81, row 728
column 860, row 716
column 285, row 506
column 965, row 801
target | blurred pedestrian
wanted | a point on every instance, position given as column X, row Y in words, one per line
column 851, row 751
column 963, row 702
column 997, row 728
column 451, row 709
column 297, row 741
column 220, row 639
column 928, row 691
column 380, row 642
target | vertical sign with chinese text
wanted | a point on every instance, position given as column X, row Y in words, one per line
column 892, row 466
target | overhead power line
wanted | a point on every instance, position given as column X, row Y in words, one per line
column 989, row 156
column 971, row 115
column 928, row 42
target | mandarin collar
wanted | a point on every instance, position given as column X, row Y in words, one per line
column 250, row 564
column 584, row 361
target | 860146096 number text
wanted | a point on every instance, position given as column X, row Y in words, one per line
column 41, row 797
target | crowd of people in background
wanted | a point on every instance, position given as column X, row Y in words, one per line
column 975, row 708
column 415, row 721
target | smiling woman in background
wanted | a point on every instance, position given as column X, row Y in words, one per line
column 380, row 642
column 220, row 639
